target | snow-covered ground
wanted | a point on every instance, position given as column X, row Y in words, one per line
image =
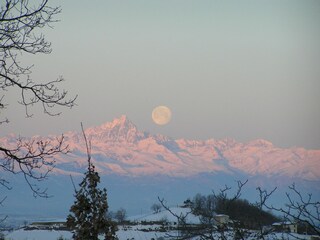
column 22, row 234
column 145, row 228
column 124, row 233
column 134, row 233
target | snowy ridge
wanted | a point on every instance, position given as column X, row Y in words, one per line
column 165, row 215
column 118, row 147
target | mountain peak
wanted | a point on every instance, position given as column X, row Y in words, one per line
column 120, row 129
column 260, row 143
column 123, row 121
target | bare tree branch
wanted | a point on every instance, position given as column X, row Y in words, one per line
column 183, row 233
column 300, row 209
column 33, row 159
column 21, row 24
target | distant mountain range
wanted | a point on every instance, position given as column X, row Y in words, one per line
column 118, row 147
column 143, row 166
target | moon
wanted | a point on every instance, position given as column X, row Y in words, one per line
column 161, row 115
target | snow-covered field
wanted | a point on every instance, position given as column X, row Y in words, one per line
column 124, row 234
column 145, row 228
column 21, row 234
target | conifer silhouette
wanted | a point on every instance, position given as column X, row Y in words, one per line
column 88, row 215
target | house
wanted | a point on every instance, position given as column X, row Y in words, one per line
column 290, row 227
column 187, row 204
column 221, row 219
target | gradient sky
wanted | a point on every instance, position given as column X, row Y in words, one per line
column 238, row 69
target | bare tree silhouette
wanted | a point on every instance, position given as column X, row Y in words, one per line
column 301, row 210
column 21, row 22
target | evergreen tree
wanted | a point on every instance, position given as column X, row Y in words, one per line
column 88, row 217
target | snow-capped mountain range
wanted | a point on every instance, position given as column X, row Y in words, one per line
column 118, row 147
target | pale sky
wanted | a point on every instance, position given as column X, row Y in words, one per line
column 238, row 69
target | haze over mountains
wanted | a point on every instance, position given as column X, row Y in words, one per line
column 144, row 166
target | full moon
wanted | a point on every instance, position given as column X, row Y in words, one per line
column 161, row 115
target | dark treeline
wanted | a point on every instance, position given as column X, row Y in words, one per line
column 246, row 214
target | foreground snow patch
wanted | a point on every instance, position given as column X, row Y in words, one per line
column 123, row 234
column 22, row 234
column 135, row 233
